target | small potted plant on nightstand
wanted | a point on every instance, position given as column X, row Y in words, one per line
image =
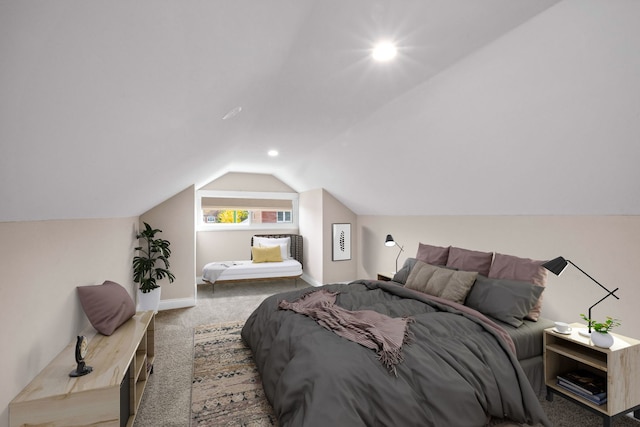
column 600, row 330
column 145, row 271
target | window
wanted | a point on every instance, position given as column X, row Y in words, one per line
column 224, row 216
column 284, row 216
column 244, row 210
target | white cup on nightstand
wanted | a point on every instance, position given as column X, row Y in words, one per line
column 563, row 328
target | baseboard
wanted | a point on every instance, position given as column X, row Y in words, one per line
column 171, row 304
column 310, row 280
column 315, row 283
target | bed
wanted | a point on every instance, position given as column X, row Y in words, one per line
column 289, row 267
column 454, row 366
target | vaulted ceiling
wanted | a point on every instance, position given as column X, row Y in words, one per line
column 109, row 108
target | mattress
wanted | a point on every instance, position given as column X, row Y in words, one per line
column 528, row 340
column 528, row 337
column 243, row 270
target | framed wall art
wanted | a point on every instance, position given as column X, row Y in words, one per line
column 341, row 242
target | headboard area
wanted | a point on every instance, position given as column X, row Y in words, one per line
column 296, row 243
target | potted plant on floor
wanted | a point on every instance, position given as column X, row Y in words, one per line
column 600, row 330
column 145, row 271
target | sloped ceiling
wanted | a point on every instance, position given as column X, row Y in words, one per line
column 109, row 108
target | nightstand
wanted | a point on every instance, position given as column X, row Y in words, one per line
column 385, row 276
column 620, row 364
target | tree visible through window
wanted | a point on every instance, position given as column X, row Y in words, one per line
column 225, row 216
column 222, row 211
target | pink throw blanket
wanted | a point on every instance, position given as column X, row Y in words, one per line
column 374, row 330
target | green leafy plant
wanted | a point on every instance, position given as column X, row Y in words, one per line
column 602, row 327
column 154, row 250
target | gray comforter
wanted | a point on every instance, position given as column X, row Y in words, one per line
column 460, row 369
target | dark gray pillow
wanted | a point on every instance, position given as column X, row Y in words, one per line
column 402, row 274
column 506, row 300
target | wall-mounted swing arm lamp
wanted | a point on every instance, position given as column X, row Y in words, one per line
column 390, row 242
column 557, row 266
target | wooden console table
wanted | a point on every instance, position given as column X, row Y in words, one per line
column 108, row 396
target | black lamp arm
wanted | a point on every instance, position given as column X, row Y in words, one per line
column 599, row 284
column 398, row 257
column 601, row 299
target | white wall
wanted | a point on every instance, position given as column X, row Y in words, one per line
column 334, row 212
column 42, row 264
column 319, row 210
column 606, row 247
column 311, row 229
column 176, row 218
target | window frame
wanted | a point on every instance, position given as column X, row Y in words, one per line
column 257, row 195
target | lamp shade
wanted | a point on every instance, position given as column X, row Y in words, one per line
column 389, row 241
column 556, row 265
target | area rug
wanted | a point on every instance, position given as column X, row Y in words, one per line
column 226, row 389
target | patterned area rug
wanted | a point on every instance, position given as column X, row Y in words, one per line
column 226, row 388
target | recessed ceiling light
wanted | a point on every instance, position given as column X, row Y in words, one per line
column 273, row 153
column 384, row 51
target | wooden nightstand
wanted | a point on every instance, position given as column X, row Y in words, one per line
column 620, row 364
column 385, row 276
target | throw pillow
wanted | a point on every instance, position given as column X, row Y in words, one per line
column 441, row 282
column 434, row 255
column 468, row 260
column 523, row 269
column 107, row 306
column 283, row 242
column 266, row 254
column 402, row 274
column 506, row 300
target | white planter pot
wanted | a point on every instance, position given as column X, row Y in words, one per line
column 149, row 300
column 600, row 339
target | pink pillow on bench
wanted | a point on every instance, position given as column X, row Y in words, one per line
column 107, row 306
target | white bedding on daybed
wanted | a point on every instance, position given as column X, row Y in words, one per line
column 242, row 270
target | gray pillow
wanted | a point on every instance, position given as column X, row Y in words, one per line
column 402, row 274
column 506, row 300
column 441, row 282
column 525, row 269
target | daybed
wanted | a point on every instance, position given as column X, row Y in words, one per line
column 404, row 352
column 247, row 270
